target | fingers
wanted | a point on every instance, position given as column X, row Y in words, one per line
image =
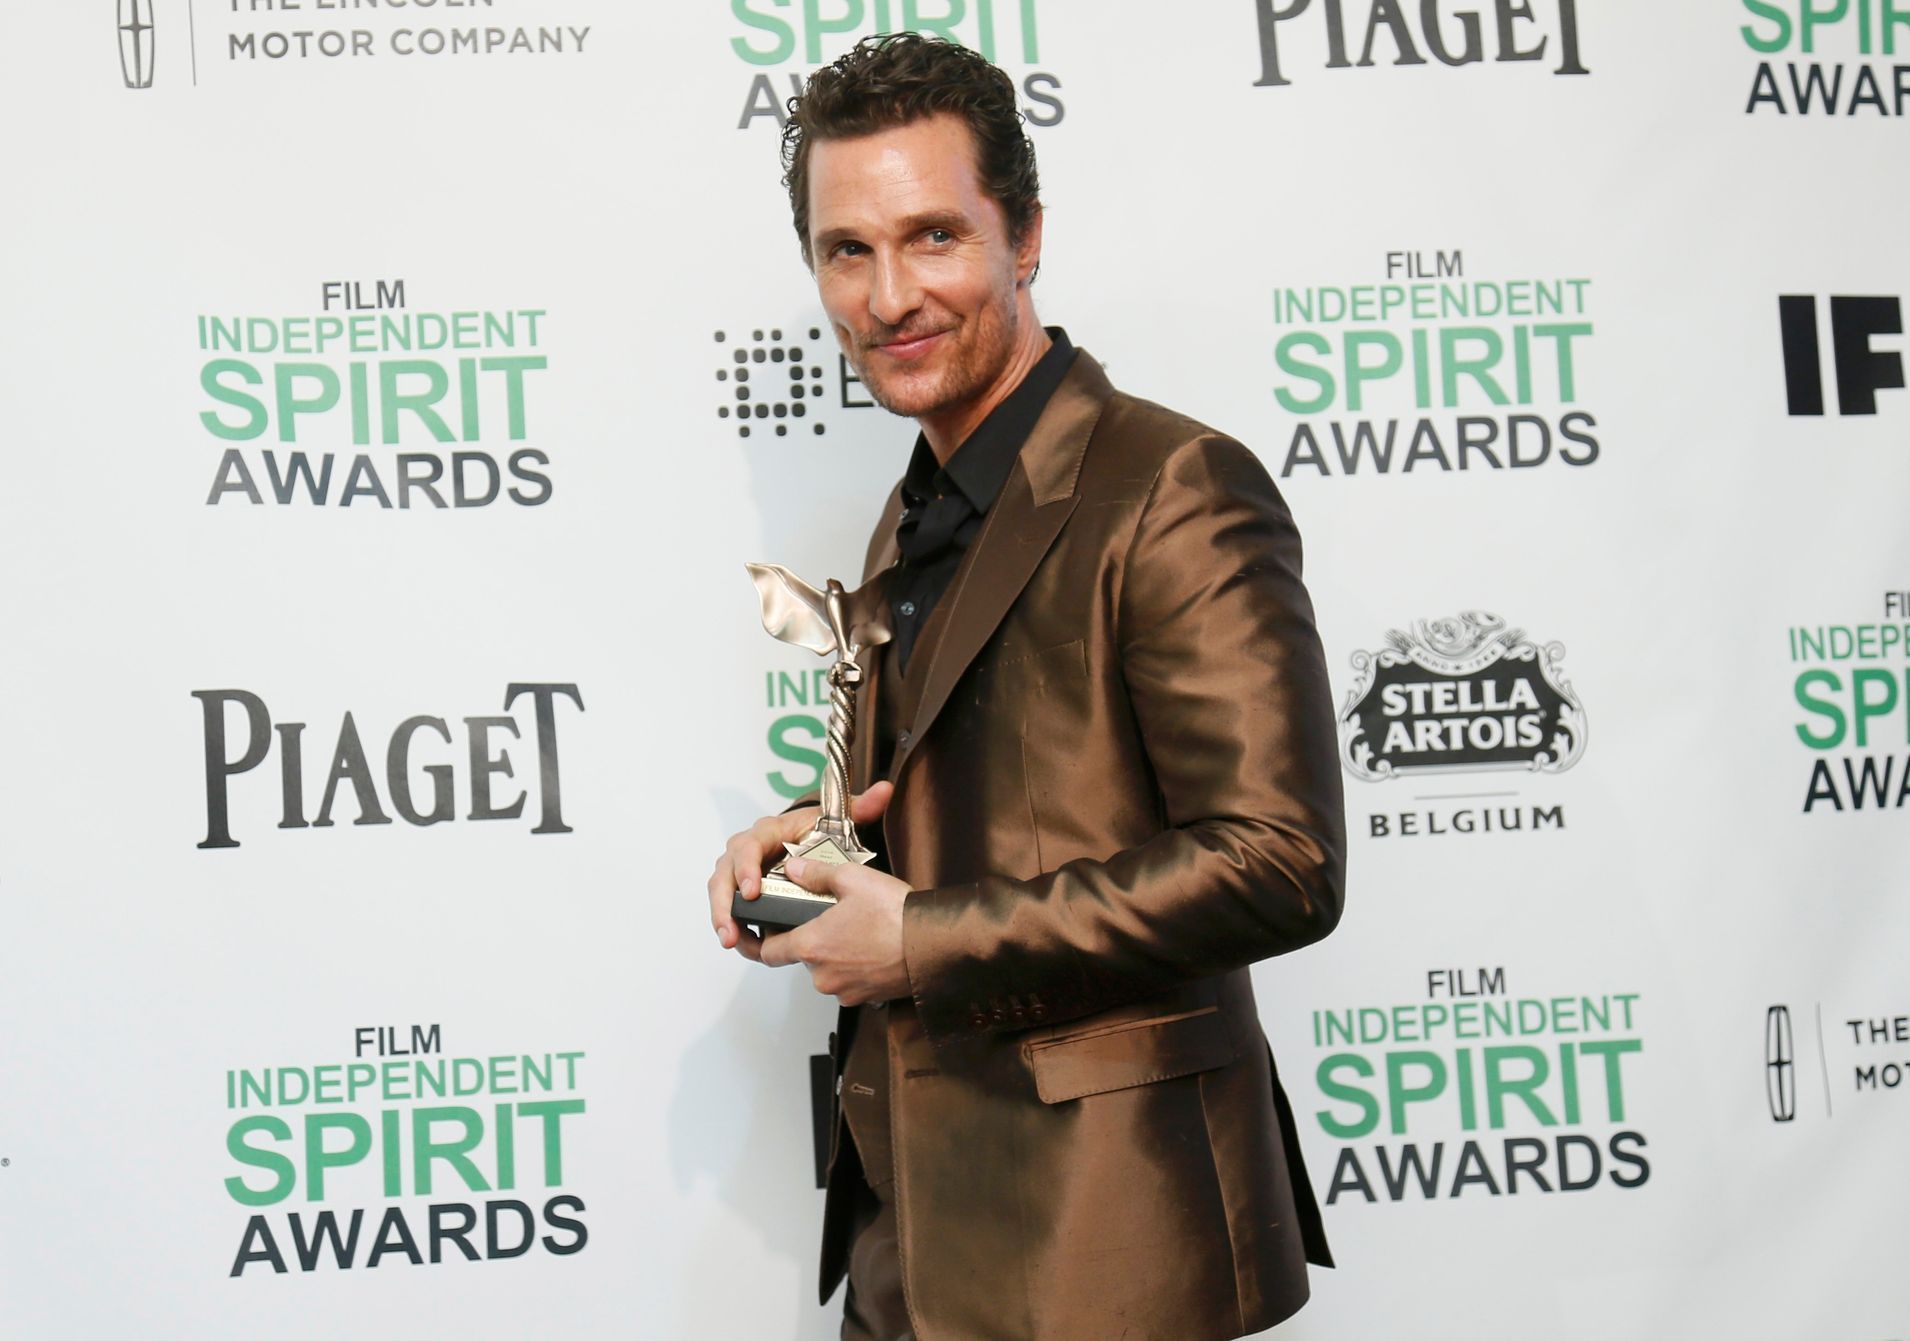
column 749, row 944
column 840, row 881
column 745, row 857
column 722, row 889
column 730, row 934
column 818, row 877
column 740, row 869
column 868, row 806
column 765, row 838
column 785, row 948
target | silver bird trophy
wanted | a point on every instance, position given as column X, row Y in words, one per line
column 846, row 623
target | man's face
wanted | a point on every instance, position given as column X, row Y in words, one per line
column 915, row 265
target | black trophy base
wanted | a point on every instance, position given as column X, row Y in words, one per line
column 778, row 909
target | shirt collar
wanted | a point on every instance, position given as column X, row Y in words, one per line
column 981, row 465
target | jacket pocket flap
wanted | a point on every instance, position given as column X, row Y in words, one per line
column 1137, row 1052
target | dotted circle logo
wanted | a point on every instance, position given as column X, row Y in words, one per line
column 770, row 383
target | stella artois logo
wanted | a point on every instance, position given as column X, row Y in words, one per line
column 1460, row 694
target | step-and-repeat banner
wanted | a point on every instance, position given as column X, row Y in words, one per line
column 394, row 391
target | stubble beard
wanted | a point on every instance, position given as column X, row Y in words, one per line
column 983, row 347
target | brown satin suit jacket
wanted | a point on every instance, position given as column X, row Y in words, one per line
column 1118, row 788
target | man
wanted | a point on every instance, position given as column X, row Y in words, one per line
column 1108, row 783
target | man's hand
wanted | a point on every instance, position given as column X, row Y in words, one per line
column 853, row 950
column 744, row 856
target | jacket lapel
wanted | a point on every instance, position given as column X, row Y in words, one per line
column 883, row 552
column 1034, row 505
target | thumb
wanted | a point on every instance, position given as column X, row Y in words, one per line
column 868, row 806
column 818, row 877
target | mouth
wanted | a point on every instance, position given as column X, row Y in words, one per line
column 910, row 348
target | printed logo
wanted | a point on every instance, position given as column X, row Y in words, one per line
column 399, row 1127
column 1517, row 35
column 330, row 43
column 485, row 752
column 136, row 42
column 1432, row 371
column 771, row 35
column 1860, row 371
column 366, row 370
column 1883, row 1059
column 1475, row 1090
column 768, row 378
column 1853, row 85
column 1780, row 1078
column 1855, row 685
column 1461, row 694
column 1865, row 1058
column 798, row 704
column 251, row 39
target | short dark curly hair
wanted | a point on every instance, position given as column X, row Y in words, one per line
column 899, row 78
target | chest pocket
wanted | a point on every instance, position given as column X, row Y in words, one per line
column 1045, row 694
column 1032, row 674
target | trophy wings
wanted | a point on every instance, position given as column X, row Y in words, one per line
column 795, row 612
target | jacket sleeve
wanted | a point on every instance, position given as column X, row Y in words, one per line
column 1228, row 685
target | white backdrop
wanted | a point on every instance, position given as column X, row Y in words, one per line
column 614, row 170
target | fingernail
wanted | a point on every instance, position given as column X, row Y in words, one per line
column 796, row 866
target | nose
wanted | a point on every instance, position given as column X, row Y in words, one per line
column 896, row 292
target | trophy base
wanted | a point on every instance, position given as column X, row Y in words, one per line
column 781, row 906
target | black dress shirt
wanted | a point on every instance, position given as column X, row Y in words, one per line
column 944, row 506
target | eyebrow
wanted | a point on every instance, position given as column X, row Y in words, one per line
column 953, row 220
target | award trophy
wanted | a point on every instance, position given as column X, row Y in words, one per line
column 845, row 623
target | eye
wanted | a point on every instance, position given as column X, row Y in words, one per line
column 941, row 237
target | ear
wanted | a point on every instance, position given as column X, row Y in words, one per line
column 1028, row 250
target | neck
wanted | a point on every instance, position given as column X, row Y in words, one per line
column 948, row 429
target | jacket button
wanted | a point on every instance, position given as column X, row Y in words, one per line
column 902, row 739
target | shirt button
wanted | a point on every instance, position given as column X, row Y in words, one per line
column 906, row 609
